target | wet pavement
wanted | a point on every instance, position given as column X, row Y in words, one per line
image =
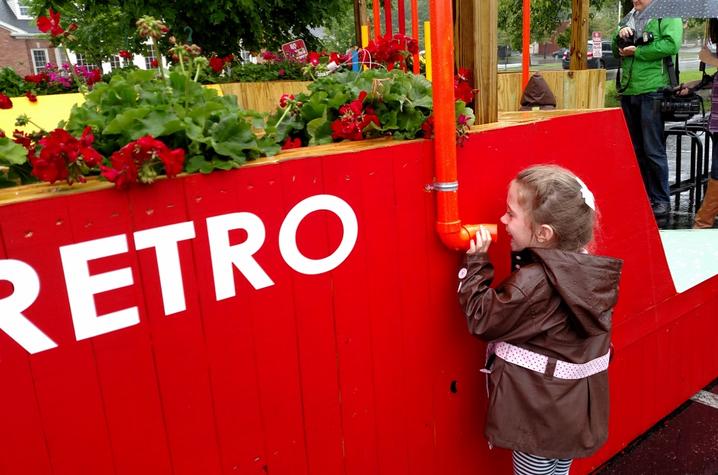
column 685, row 442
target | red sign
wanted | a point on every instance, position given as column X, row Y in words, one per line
column 295, row 50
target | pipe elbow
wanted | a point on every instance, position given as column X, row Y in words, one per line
column 459, row 238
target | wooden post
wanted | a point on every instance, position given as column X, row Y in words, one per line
column 476, row 49
column 579, row 34
column 360, row 19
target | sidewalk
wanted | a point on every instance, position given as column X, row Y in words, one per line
column 685, row 442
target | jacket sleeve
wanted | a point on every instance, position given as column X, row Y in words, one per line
column 667, row 42
column 503, row 313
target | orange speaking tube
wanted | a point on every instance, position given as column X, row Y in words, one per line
column 452, row 232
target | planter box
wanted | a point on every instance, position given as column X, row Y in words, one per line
column 299, row 316
column 48, row 111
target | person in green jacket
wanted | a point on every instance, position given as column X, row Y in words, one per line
column 642, row 45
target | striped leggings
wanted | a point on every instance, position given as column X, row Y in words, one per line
column 527, row 464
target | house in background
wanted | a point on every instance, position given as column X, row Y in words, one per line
column 22, row 46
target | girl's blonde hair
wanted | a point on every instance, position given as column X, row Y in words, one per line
column 553, row 196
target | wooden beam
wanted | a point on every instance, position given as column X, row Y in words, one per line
column 579, row 34
column 476, row 49
column 360, row 18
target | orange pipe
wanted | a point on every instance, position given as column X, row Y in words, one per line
column 377, row 19
column 452, row 232
column 415, row 33
column 526, row 44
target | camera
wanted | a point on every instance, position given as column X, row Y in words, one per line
column 675, row 108
column 644, row 39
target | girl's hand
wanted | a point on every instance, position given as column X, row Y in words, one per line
column 481, row 241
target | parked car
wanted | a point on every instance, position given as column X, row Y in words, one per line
column 606, row 61
column 559, row 53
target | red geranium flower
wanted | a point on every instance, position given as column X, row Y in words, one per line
column 5, row 102
column 285, row 100
column 125, row 54
column 290, row 143
column 30, row 96
column 269, row 56
column 217, row 64
column 135, row 162
column 353, row 119
column 154, row 63
column 63, row 157
column 313, row 58
column 50, row 23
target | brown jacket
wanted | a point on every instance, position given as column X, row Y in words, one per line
column 558, row 304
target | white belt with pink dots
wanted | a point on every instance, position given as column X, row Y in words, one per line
column 537, row 362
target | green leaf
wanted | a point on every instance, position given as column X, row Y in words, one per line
column 231, row 137
column 320, row 131
column 199, row 164
column 11, row 153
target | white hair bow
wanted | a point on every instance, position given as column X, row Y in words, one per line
column 587, row 195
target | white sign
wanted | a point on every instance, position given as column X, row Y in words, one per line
column 597, row 49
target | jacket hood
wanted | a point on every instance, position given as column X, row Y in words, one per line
column 587, row 284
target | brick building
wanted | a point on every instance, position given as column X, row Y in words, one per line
column 21, row 44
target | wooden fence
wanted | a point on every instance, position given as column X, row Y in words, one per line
column 573, row 89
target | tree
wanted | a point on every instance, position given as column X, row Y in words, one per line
column 219, row 26
column 105, row 29
column 546, row 15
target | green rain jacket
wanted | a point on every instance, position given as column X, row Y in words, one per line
column 646, row 71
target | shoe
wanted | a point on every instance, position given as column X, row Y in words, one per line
column 661, row 210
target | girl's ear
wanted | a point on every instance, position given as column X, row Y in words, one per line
column 544, row 234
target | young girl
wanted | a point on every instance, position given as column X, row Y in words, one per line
column 549, row 324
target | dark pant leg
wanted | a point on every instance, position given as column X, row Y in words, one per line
column 714, row 157
column 654, row 146
column 632, row 114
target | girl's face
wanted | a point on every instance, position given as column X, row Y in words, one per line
column 518, row 224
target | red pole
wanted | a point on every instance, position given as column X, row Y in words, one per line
column 415, row 32
column 401, row 17
column 377, row 19
column 387, row 17
column 526, row 54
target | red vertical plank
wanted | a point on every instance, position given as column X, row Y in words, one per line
column 353, row 283
column 125, row 365
column 228, row 331
column 387, row 18
column 415, row 34
column 65, row 378
column 313, row 300
column 22, row 438
column 377, row 19
column 401, row 16
column 178, row 341
column 412, row 203
column 270, row 311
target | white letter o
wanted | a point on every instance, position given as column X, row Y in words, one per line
column 288, row 234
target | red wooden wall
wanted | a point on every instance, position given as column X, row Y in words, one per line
column 344, row 372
